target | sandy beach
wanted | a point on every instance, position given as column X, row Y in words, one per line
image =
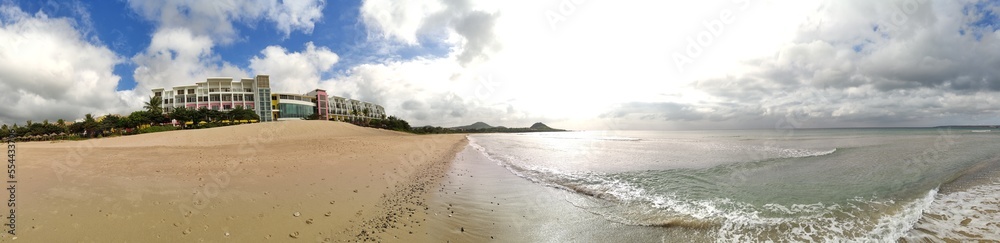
column 281, row 181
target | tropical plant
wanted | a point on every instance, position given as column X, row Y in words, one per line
column 140, row 117
column 109, row 123
column 240, row 113
column 154, row 105
column 202, row 115
column 76, row 128
column 90, row 126
column 17, row 131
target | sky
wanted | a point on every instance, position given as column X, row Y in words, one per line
column 574, row 64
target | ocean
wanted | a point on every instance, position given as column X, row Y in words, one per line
column 901, row 184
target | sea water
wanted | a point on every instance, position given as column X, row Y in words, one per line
column 771, row 185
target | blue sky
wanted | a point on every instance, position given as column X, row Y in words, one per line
column 571, row 64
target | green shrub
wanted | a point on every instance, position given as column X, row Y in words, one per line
column 157, row 129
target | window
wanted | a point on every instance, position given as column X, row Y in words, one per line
column 227, row 107
column 213, row 90
column 295, row 110
column 180, row 92
column 214, row 97
column 215, row 107
column 190, row 91
column 158, row 94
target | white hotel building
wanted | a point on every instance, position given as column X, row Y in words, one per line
column 222, row 93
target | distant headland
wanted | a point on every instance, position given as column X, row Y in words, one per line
column 482, row 127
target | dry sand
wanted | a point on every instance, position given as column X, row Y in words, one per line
column 281, row 181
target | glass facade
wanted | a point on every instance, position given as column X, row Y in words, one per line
column 295, row 110
column 264, row 104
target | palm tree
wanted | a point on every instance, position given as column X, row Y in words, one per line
column 154, row 105
column 182, row 115
column 61, row 122
column 90, row 125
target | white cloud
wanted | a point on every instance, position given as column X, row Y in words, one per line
column 174, row 57
column 460, row 23
column 181, row 48
column 834, row 62
column 428, row 92
column 290, row 15
column 216, row 18
column 857, row 63
column 49, row 70
column 294, row 72
column 400, row 20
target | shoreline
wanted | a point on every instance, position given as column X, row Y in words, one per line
column 479, row 200
column 402, row 211
column 301, row 180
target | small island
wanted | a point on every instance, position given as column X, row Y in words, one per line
column 482, row 127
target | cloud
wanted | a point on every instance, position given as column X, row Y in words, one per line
column 181, row 48
column 858, row 63
column 456, row 22
column 294, row 72
column 50, row 70
column 216, row 18
column 399, row 20
column 176, row 56
column 427, row 92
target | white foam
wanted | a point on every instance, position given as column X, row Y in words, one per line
column 896, row 226
column 769, row 151
column 863, row 219
column 970, row 215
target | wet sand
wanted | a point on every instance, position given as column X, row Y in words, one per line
column 282, row 181
column 481, row 201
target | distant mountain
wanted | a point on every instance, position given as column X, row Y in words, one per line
column 483, row 127
column 540, row 126
column 477, row 125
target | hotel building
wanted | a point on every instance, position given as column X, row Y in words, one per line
column 222, row 93
column 344, row 109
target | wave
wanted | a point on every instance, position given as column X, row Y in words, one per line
column 967, row 209
column 765, row 151
column 599, row 138
column 623, row 198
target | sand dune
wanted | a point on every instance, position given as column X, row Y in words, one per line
column 301, row 180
